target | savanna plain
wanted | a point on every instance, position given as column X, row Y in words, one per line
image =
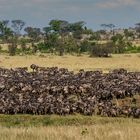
column 75, row 127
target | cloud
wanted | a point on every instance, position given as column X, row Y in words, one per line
column 117, row 3
column 94, row 12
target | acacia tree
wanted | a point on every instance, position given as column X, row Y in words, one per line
column 63, row 32
column 17, row 26
column 6, row 35
column 63, row 27
column 128, row 34
column 77, row 29
column 34, row 35
column 103, row 31
column 138, row 29
column 119, row 43
column 5, row 32
column 108, row 26
column 60, row 28
column 104, row 26
column 50, row 39
column 111, row 27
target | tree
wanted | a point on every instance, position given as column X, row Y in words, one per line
column 51, row 42
column 6, row 35
column 104, row 31
column 33, row 33
column 77, row 29
column 111, row 26
column 12, row 49
column 70, row 44
column 77, row 26
column 47, row 31
column 95, row 36
column 85, row 46
column 17, row 26
column 104, row 26
column 23, row 42
column 119, row 43
column 59, row 26
column 5, row 32
column 55, row 25
column 128, row 34
column 138, row 28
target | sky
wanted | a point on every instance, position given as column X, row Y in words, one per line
column 38, row 13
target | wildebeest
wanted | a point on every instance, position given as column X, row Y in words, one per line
column 59, row 91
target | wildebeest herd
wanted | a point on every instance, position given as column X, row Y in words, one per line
column 59, row 91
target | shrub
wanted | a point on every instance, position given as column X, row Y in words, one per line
column 84, row 46
column 102, row 50
column 12, row 49
column 132, row 49
column 34, row 48
column 138, row 49
column 41, row 47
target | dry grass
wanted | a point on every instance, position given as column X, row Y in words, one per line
column 30, row 127
column 130, row 62
column 128, row 131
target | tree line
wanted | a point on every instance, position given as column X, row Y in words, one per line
column 61, row 37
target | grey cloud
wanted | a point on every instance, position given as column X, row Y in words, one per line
column 117, row 3
column 94, row 12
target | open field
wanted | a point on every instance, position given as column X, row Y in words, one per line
column 127, row 61
column 27, row 127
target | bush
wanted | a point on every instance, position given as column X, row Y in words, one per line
column 41, row 46
column 34, row 48
column 132, row 49
column 102, row 50
column 12, row 49
column 138, row 49
column 18, row 50
column 84, row 46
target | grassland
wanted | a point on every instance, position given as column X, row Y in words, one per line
column 97, row 132
column 130, row 62
column 29, row 127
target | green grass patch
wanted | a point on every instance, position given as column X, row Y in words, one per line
column 54, row 120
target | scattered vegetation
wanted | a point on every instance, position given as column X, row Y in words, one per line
column 61, row 37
